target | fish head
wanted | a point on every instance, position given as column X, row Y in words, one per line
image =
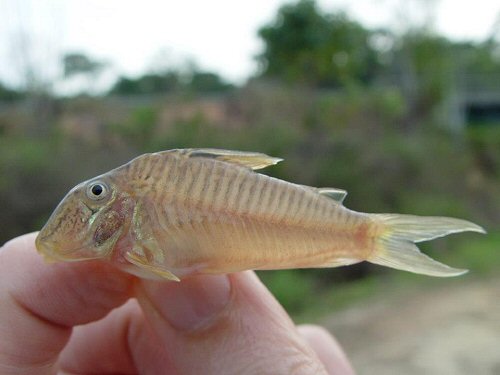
column 87, row 223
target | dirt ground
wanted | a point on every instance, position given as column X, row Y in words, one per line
column 435, row 331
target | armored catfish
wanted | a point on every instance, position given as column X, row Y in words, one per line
column 180, row 212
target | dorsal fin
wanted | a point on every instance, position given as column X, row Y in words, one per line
column 337, row 195
column 252, row 160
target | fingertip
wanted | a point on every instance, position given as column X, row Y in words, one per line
column 249, row 334
column 25, row 240
column 192, row 304
column 40, row 302
column 64, row 293
column 327, row 349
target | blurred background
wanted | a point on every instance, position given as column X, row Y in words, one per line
column 398, row 102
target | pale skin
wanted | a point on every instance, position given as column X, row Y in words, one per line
column 91, row 318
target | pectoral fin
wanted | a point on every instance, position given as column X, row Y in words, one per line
column 252, row 160
column 141, row 262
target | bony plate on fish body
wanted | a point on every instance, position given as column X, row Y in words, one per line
column 170, row 214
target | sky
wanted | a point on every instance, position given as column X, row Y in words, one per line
column 219, row 35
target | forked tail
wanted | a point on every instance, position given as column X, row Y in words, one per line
column 396, row 246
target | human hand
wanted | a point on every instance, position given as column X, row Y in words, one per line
column 90, row 318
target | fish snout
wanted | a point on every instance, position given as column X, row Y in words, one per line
column 46, row 247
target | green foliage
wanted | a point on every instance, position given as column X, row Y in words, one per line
column 171, row 81
column 192, row 132
column 8, row 94
column 303, row 45
column 139, row 128
column 294, row 289
column 481, row 255
column 79, row 63
column 479, row 58
column 427, row 65
column 147, row 84
column 207, row 82
column 485, row 141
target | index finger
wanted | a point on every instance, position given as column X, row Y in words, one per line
column 39, row 304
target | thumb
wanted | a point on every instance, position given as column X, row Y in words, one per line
column 225, row 325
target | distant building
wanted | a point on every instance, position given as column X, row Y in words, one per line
column 476, row 101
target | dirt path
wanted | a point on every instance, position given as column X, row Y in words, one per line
column 451, row 331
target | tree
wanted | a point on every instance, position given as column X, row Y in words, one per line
column 7, row 94
column 151, row 83
column 207, row 82
column 83, row 70
column 307, row 46
column 78, row 63
column 170, row 81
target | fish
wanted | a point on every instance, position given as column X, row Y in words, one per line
column 176, row 213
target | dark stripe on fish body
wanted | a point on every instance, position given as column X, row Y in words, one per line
column 252, row 181
column 302, row 204
column 302, row 209
column 344, row 217
column 216, row 182
column 211, row 187
column 319, row 208
column 186, row 179
column 250, row 192
column 152, row 161
column 195, row 172
column 313, row 208
column 282, row 205
column 292, row 203
column 207, row 178
column 265, row 193
column 242, row 194
column 156, row 166
column 256, row 194
column 167, row 169
column 234, row 189
column 181, row 175
column 307, row 210
column 199, row 181
column 166, row 176
column 221, row 187
column 142, row 168
column 171, row 169
column 324, row 207
column 273, row 201
column 155, row 174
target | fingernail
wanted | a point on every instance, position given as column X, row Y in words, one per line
column 192, row 303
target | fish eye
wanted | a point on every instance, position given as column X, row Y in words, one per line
column 97, row 190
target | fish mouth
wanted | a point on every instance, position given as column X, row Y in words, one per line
column 48, row 252
column 52, row 252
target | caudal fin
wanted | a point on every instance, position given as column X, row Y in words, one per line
column 396, row 247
